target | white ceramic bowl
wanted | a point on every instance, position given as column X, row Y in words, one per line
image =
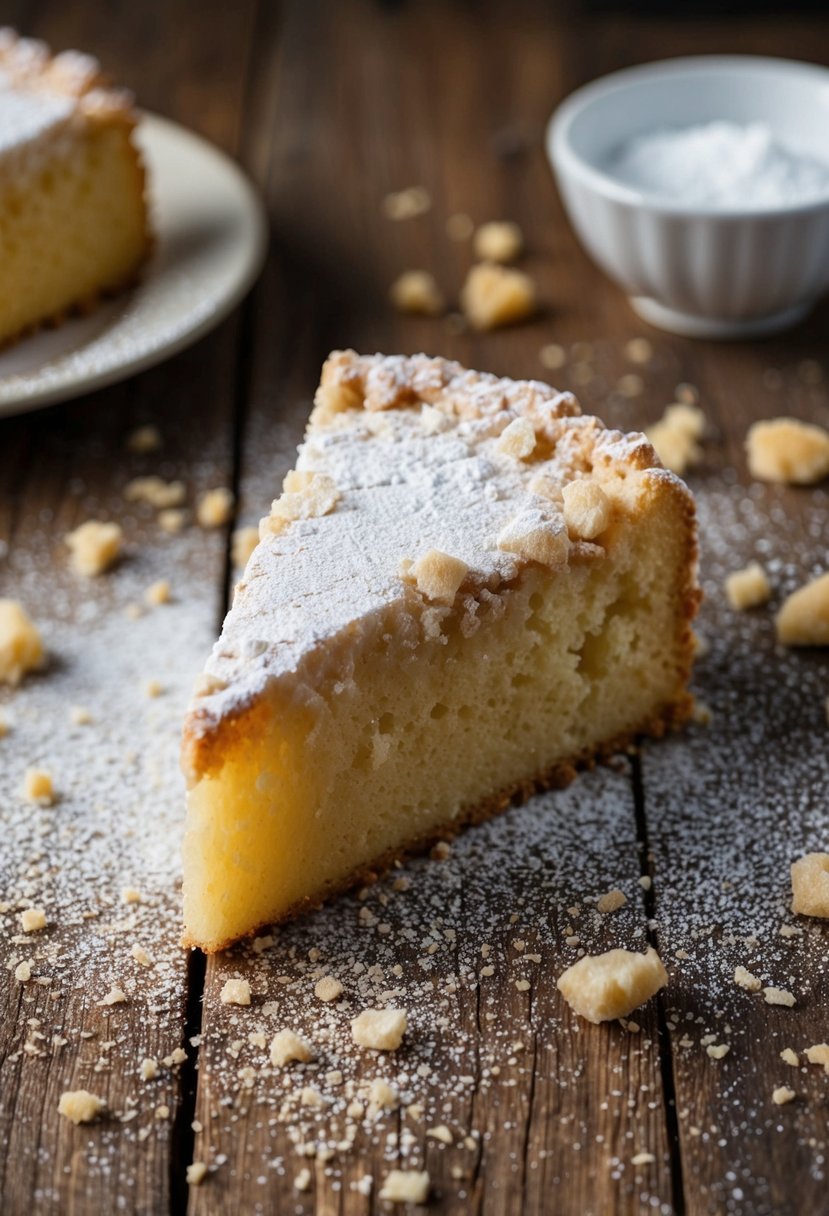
column 697, row 271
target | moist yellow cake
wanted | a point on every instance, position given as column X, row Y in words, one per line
column 466, row 589
column 73, row 218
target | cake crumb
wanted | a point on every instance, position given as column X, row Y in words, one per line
column 215, row 508
column 788, row 451
column 302, row 1182
column 718, row 1052
column 94, row 546
column 609, row 986
column 790, row 1057
column 803, row 619
column 810, row 885
column 196, row 1173
column 21, row 648
column 778, row 996
column 172, row 521
column 517, row 439
column 79, row 715
column 612, row 901
column 286, row 1047
column 646, row 882
column 141, row 956
column 115, row 996
column 675, row 437
column 153, row 688
column 382, row 1095
column 407, row 204
column 328, row 988
column 748, row 588
column 438, row 575
column 379, row 1029
column 587, row 509
column 746, row 980
column 642, row 1159
column 144, row 439
column 148, row 1069
column 819, row 1054
column 38, row 787
column 235, row 992
column 32, row 920
column 206, row 684
column 440, row 1133
column 23, row 972
column 130, row 895
column 498, row 241
column 406, row 1186
column 782, row 1094
column 80, row 1106
column 158, row 592
column 495, row 295
column 157, row 493
column 415, row 291
column 243, row 542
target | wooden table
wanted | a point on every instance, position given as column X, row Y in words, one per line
column 331, row 106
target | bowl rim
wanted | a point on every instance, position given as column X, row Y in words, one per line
column 567, row 162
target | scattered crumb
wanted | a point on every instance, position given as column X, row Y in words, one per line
column 159, row 494
column 286, row 1046
column 115, row 996
column 803, row 620
column 553, row 356
column 79, row 1105
column 642, row 1159
column 32, row 920
column 21, row 648
column 302, row 1182
column 496, row 295
column 718, row 1052
column 215, row 508
column 782, row 1094
column 778, row 996
column 158, row 593
column 196, row 1173
column 379, row 1029
column 153, row 688
column 787, row 450
column 235, row 992
column 819, row 1054
column 746, row 980
column 141, row 956
column 130, row 895
column 612, row 901
column 148, row 1069
column 790, row 1057
column 172, row 520
column 23, row 972
column 38, row 787
column 328, row 988
column 408, row 203
column 638, row 350
column 406, row 1186
column 675, row 437
column 416, row 291
column 440, row 1133
column 646, row 882
column 810, row 885
column 144, row 439
column 79, row 715
column 608, row 986
column 498, row 241
column 243, row 543
column 748, row 588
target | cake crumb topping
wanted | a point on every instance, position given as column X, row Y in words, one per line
column 538, row 536
column 438, row 576
column 587, row 509
column 517, row 439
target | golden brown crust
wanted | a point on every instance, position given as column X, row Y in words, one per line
column 559, row 776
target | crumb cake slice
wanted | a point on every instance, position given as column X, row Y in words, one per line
column 466, row 589
column 73, row 218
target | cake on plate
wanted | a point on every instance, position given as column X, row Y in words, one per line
column 466, row 590
column 73, row 216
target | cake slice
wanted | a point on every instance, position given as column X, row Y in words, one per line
column 73, row 219
column 465, row 590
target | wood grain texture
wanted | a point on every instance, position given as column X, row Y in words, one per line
column 118, row 815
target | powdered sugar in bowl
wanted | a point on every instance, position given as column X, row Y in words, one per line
column 701, row 186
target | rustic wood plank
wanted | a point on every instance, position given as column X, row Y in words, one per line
column 566, row 1111
column 117, row 820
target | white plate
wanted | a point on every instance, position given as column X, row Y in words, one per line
column 210, row 242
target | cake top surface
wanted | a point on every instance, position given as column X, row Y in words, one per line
column 404, row 456
column 40, row 92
